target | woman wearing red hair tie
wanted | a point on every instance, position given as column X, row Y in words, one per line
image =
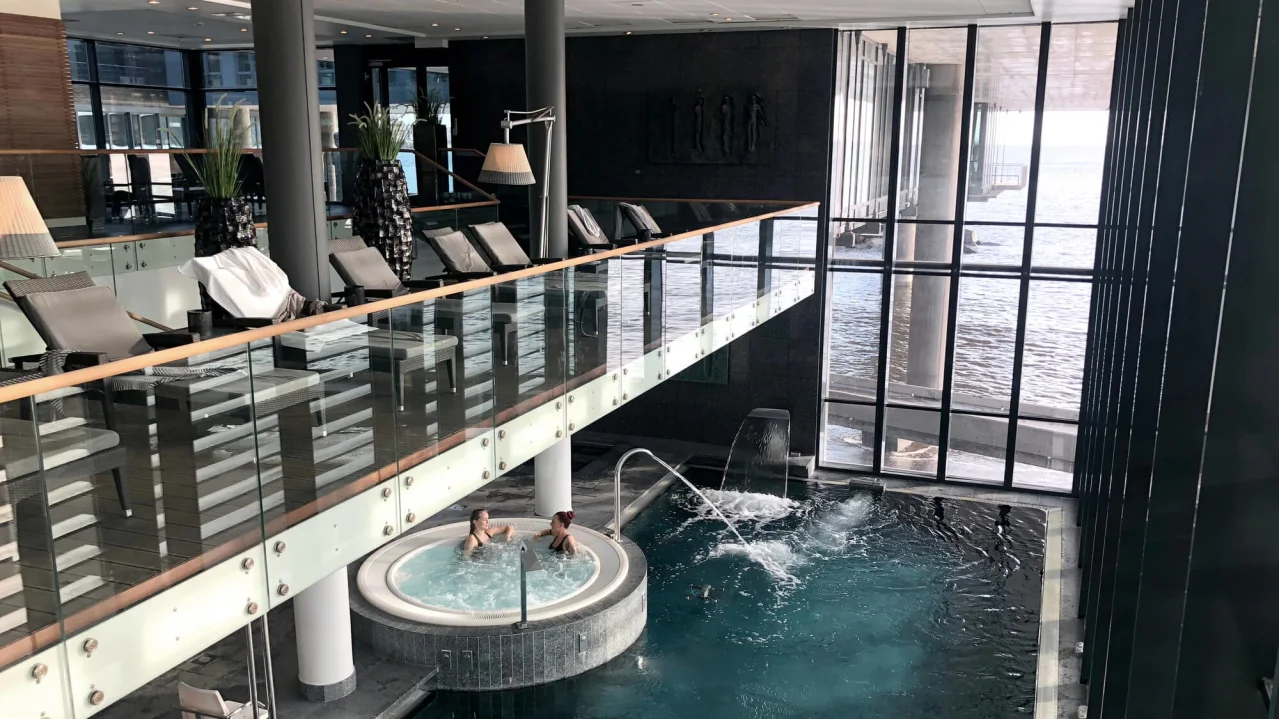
column 561, row 541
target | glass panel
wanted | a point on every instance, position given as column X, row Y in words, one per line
column 78, row 54
column 1062, row 247
column 917, row 353
column 1056, row 333
column 86, row 129
column 850, row 434
column 595, row 303
column 528, row 317
column 986, row 245
column 248, row 112
column 937, row 73
column 923, row 242
column 326, row 68
column 144, row 119
column 139, row 65
column 985, row 343
column 1080, row 65
column 229, row 69
column 910, row 441
column 853, row 353
column 977, row 448
column 33, row 505
column 864, row 98
column 1003, row 119
column 1045, row 455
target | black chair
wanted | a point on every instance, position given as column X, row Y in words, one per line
column 587, row 232
column 646, row 228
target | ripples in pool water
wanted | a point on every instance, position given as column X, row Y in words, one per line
column 842, row 606
column 489, row 579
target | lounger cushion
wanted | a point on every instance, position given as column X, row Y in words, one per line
column 437, row 232
column 458, row 255
column 365, row 267
column 499, row 244
column 640, row 217
column 86, row 320
column 584, row 227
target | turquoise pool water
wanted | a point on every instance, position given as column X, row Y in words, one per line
column 489, row 579
column 845, row 606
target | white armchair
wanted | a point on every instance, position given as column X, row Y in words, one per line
column 209, row 704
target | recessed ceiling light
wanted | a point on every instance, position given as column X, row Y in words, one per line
column 208, row 39
column 728, row 19
column 150, row 32
column 485, row 37
column 435, row 24
column 153, row 2
column 368, row 36
column 193, row 8
column 714, row 14
column 628, row 32
column 119, row 33
column 244, row 29
column 457, row 29
column 341, row 32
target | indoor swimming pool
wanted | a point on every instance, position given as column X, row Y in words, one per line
column 844, row 605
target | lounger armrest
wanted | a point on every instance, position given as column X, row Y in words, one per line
column 244, row 323
column 27, row 362
column 176, row 338
column 80, row 360
column 425, row 284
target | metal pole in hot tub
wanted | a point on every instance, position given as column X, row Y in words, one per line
column 528, row 563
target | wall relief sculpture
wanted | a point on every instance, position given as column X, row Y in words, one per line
column 710, row 127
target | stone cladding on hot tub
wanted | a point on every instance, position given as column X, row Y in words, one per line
column 502, row 657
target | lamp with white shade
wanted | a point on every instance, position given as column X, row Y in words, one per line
column 507, row 163
column 23, row 234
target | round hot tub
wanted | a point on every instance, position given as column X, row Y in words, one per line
column 420, row 601
column 424, row 577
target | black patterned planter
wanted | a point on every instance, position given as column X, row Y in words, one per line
column 382, row 214
column 221, row 224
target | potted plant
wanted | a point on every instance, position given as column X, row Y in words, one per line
column 430, row 137
column 223, row 219
column 382, row 214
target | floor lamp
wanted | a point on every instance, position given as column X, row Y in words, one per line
column 23, row 234
column 507, row 164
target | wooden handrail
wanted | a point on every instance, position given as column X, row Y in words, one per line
column 451, row 173
column 709, row 201
column 155, row 151
column 100, row 241
column 133, row 364
column 462, row 150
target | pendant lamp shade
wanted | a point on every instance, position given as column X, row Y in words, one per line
column 23, row 234
column 506, row 164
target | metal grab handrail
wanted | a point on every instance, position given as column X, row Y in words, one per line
column 239, row 339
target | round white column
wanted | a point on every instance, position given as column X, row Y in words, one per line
column 322, row 620
column 553, row 479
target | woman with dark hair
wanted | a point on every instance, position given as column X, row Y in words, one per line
column 481, row 533
column 561, row 541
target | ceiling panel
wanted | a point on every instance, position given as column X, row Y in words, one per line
column 172, row 23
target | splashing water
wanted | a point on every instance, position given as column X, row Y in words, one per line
column 774, row 555
column 752, row 507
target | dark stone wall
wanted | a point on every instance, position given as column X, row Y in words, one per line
column 610, row 81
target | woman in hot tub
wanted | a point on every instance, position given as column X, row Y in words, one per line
column 561, row 541
column 481, row 533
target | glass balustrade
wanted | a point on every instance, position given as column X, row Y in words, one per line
column 153, row 506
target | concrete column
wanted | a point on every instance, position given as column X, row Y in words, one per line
column 544, row 78
column 322, row 621
column 938, row 178
column 553, row 479
column 284, row 45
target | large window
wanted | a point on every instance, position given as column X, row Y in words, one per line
column 958, row 306
column 231, row 76
column 128, row 97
